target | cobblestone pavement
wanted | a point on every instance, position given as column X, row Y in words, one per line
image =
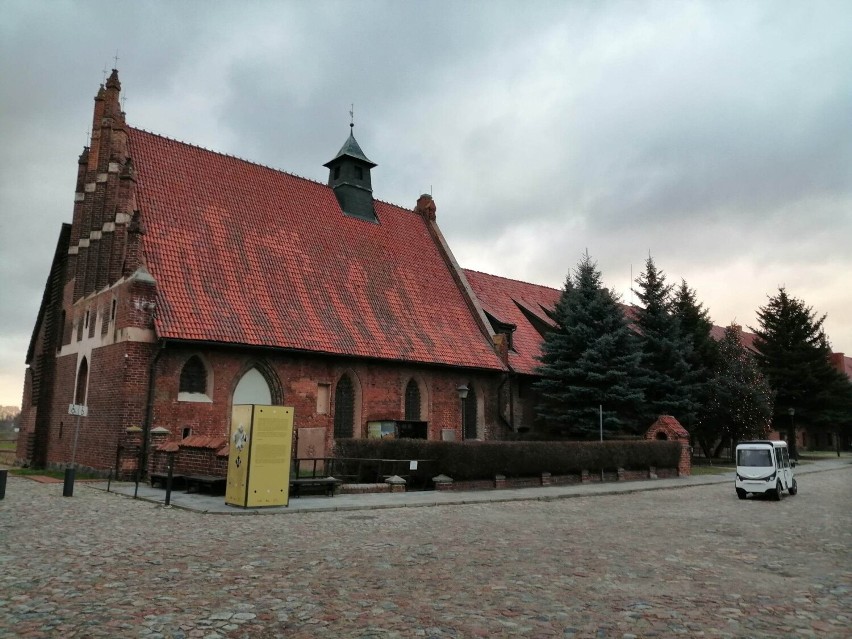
column 691, row 562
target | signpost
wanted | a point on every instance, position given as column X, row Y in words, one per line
column 80, row 410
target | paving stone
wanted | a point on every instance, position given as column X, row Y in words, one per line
column 690, row 562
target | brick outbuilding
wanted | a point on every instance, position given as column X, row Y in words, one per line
column 668, row 428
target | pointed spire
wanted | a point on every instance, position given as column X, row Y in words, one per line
column 352, row 149
column 112, row 82
column 112, row 105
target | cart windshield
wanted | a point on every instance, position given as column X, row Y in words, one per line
column 754, row 457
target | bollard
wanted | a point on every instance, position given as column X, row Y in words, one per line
column 3, row 475
column 68, row 486
column 169, row 484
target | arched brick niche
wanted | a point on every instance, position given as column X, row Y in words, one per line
column 668, row 428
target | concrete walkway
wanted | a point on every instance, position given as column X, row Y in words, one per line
column 216, row 505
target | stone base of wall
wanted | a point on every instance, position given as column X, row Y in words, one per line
column 473, row 484
column 362, row 489
column 501, row 482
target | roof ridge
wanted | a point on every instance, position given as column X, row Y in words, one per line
column 251, row 162
column 511, row 279
column 226, row 155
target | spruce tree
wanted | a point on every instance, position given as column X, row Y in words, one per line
column 794, row 354
column 740, row 402
column 696, row 327
column 589, row 361
column 664, row 350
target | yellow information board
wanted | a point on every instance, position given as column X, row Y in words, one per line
column 261, row 444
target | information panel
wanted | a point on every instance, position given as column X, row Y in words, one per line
column 260, row 454
column 237, row 487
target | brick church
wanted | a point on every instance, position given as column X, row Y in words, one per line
column 189, row 281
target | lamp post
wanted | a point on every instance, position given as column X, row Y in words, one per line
column 462, row 391
column 794, row 448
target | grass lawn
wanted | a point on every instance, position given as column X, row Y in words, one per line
column 712, row 470
column 823, row 454
column 7, row 445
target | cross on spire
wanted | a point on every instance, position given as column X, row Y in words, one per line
column 352, row 116
column 115, row 59
column 104, row 71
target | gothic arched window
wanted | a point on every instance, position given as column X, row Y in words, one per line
column 193, row 376
column 412, row 401
column 344, row 408
column 470, row 410
column 82, row 382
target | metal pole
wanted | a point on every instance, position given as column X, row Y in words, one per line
column 794, row 443
column 68, row 484
column 601, row 413
column 117, row 463
column 76, row 437
column 170, row 462
column 136, row 479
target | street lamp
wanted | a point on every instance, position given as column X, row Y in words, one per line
column 794, row 448
column 462, row 391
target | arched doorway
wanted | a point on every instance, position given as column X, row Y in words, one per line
column 252, row 389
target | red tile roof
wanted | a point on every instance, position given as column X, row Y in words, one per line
column 746, row 339
column 245, row 254
column 504, row 299
column 204, row 441
column 670, row 425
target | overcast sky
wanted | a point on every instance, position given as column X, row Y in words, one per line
column 714, row 136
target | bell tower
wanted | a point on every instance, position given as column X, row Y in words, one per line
column 349, row 177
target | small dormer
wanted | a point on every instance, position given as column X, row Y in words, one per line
column 349, row 177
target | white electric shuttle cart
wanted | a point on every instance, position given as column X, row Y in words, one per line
column 764, row 468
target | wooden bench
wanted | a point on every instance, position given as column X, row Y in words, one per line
column 198, row 483
column 326, row 483
column 178, row 481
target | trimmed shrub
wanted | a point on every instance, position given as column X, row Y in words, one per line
column 483, row 460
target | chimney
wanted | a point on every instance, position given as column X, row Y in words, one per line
column 426, row 207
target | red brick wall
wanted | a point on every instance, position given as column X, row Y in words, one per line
column 200, row 461
column 382, row 388
column 115, row 399
column 118, row 391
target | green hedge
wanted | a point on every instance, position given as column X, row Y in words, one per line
column 484, row 460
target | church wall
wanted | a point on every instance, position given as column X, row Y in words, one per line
column 382, row 388
column 118, row 347
column 115, row 400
